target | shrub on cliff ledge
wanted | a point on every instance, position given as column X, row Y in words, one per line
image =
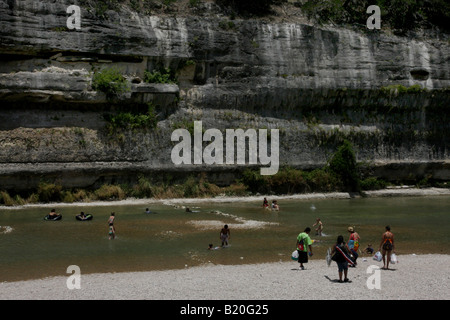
column 164, row 76
column 131, row 120
column 110, row 81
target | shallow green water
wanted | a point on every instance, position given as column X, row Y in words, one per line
column 172, row 238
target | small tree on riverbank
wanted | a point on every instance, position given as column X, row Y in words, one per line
column 343, row 165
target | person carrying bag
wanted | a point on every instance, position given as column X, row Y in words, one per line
column 342, row 256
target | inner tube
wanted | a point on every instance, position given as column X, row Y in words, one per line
column 86, row 217
column 57, row 217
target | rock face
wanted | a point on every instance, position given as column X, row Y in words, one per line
column 388, row 95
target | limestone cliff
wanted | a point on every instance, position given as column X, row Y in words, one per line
column 388, row 95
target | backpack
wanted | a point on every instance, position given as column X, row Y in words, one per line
column 301, row 245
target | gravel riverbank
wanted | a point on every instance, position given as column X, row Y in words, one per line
column 415, row 277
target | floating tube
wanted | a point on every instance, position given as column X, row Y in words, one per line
column 57, row 217
column 86, row 217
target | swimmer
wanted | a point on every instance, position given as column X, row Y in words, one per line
column 275, row 206
column 265, row 203
column 53, row 213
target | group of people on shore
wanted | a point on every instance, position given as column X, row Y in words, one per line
column 345, row 253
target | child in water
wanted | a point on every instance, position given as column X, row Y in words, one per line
column 111, row 218
column 265, row 203
column 319, row 225
column 275, row 206
column 225, row 235
column 112, row 230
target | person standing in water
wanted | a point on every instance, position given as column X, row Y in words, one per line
column 319, row 228
column 111, row 230
column 265, row 203
column 225, row 235
column 111, row 218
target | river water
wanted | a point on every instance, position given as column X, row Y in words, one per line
column 171, row 238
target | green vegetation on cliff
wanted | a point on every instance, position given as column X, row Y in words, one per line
column 160, row 76
column 249, row 7
column 110, row 81
column 400, row 15
column 131, row 120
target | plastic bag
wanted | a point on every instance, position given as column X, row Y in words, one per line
column 394, row 259
column 294, row 255
column 328, row 256
column 378, row 256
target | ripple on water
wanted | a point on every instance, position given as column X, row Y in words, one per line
column 6, row 229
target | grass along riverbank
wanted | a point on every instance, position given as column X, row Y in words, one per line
column 397, row 191
column 290, row 183
column 342, row 173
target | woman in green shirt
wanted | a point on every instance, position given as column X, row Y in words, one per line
column 303, row 243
